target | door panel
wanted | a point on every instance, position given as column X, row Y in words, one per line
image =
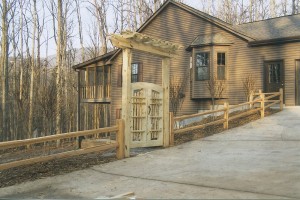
column 298, row 82
column 274, row 76
column 146, row 115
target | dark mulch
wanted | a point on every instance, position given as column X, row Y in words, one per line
column 57, row 167
column 210, row 130
column 51, row 168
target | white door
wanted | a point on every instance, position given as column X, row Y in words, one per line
column 146, row 123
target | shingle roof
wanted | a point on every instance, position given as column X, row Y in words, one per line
column 254, row 32
column 94, row 60
column 209, row 39
column 275, row 28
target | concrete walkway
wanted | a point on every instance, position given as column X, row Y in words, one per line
column 258, row 160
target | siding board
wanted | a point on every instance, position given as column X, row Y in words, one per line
column 242, row 60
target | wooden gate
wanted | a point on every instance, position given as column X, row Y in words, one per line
column 145, row 106
column 146, row 124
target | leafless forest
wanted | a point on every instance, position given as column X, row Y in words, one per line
column 38, row 90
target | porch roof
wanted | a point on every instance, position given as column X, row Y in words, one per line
column 104, row 58
column 210, row 39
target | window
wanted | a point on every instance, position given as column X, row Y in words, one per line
column 274, row 73
column 134, row 72
column 202, row 66
column 221, row 66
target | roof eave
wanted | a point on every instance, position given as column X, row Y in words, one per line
column 190, row 47
column 94, row 60
column 274, row 41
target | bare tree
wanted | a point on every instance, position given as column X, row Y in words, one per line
column 177, row 93
column 32, row 71
column 99, row 11
column 216, row 89
column 94, row 47
column 249, row 85
column 59, row 65
column 80, row 29
column 295, row 7
column 6, row 19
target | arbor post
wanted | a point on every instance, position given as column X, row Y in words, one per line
column 166, row 100
column 126, row 97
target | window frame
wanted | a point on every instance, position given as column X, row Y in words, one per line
column 208, row 65
column 137, row 74
column 225, row 65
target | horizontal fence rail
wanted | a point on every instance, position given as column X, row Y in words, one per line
column 118, row 143
column 258, row 104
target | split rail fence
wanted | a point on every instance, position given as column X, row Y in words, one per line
column 21, row 145
column 258, row 102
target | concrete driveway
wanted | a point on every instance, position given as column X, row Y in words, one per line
column 258, row 160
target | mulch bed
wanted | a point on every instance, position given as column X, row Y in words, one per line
column 210, row 130
column 32, row 172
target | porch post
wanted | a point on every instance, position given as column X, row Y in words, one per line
column 126, row 97
column 166, row 100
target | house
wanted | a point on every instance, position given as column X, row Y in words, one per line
column 267, row 49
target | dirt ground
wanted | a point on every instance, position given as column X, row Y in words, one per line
column 57, row 167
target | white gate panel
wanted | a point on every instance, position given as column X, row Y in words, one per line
column 146, row 123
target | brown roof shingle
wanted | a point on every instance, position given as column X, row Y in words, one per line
column 275, row 28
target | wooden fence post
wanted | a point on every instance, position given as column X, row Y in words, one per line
column 251, row 99
column 262, row 104
column 120, row 139
column 281, row 98
column 171, row 129
column 226, row 115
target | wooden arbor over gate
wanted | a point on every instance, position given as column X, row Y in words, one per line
column 129, row 41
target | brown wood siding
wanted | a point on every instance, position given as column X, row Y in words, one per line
column 116, row 92
column 288, row 52
column 241, row 60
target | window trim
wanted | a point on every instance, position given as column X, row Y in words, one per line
column 225, row 66
column 138, row 71
column 139, row 74
column 196, row 68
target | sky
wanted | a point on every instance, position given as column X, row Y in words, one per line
column 86, row 19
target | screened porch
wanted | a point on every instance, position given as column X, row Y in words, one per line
column 95, row 84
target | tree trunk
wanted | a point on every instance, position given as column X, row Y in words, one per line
column 4, row 71
column 80, row 30
column 32, row 75
column 59, row 66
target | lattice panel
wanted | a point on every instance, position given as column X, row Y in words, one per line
column 138, row 115
column 155, row 115
column 146, row 122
